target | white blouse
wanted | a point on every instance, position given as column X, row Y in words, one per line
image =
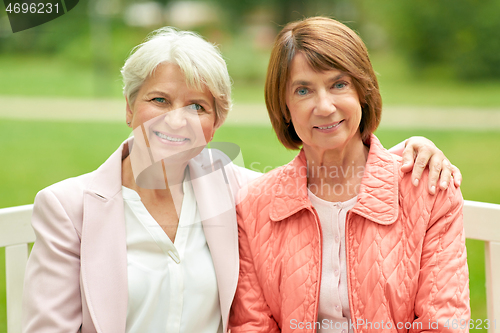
column 333, row 310
column 172, row 287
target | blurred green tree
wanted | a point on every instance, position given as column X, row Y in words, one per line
column 285, row 11
column 463, row 35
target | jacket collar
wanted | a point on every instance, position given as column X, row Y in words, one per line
column 211, row 183
column 107, row 179
column 378, row 195
column 289, row 192
column 103, row 246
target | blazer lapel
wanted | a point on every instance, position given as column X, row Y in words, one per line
column 216, row 206
column 103, row 247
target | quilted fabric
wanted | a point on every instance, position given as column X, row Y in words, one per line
column 405, row 248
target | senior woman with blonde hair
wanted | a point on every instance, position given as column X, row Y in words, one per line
column 127, row 248
column 148, row 242
column 340, row 239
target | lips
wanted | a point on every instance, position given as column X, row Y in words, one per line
column 170, row 137
column 329, row 126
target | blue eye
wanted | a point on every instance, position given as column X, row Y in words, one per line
column 196, row 107
column 302, row 91
column 340, row 85
column 159, row 99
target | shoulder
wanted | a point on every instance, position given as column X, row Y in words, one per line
column 69, row 187
column 260, row 189
column 106, row 179
column 242, row 174
column 267, row 180
column 64, row 198
column 417, row 199
column 210, row 160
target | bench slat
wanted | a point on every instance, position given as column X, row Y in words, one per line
column 16, row 257
column 15, row 225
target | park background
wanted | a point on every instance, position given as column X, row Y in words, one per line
column 62, row 110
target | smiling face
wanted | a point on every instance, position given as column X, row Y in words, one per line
column 177, row 119
column 324, row 106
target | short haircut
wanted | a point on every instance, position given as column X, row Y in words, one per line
column 200, row 62
column 326, row 44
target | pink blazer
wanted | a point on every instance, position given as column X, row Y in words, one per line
column 76, row 277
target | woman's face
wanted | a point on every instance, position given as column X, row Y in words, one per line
column 324, row 106
column 178, row 120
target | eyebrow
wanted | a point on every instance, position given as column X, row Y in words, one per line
column 306, row 83
column 199, row 101
column 338, row 77
column 158, row 92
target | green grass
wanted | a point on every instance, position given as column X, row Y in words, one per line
column 36, row 154
column 53, row 76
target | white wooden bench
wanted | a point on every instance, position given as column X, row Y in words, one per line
column 481, row 221
column 15, row 234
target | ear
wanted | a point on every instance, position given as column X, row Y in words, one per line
column 212, row 134
column 217, row 124
column 129, row 113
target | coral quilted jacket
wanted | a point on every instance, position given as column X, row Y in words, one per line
column 405, row 249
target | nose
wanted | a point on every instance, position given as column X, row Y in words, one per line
column 176, row 119
column 325, row 104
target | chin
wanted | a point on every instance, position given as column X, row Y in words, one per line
column 181, row 156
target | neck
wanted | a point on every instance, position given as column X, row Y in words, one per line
column 336, row 174
column 157, row 183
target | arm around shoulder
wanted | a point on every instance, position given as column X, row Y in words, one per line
column 51, row 298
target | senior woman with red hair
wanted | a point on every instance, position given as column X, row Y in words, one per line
column 340, row 239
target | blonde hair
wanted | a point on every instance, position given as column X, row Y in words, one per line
column 200, row 62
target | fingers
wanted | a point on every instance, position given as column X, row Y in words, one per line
column 443, row 170
column 436, row 169
column 419, row 152
column 457, row 175
column 440, row 169
column 420, row 163
column 408, row 158
column 446, row 173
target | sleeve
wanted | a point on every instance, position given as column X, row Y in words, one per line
column 51, row 297
column 442, row 300
column 250, row 311
column 398, row 149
